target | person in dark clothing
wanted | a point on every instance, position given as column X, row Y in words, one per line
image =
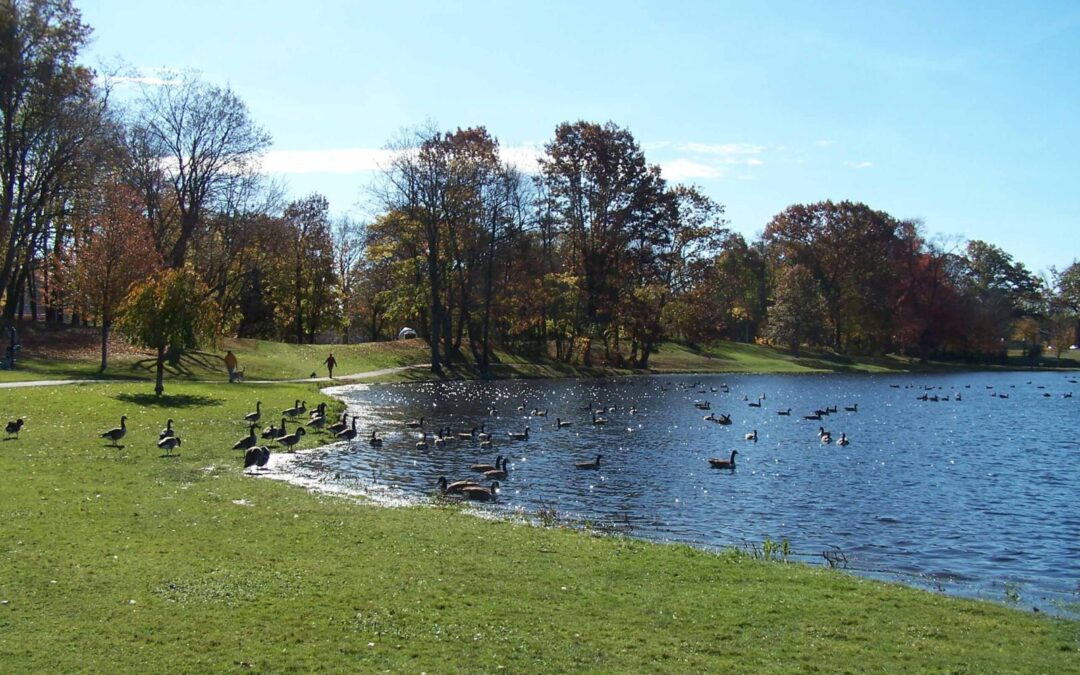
column 330, row 363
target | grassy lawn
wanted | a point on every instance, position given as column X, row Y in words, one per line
column 260, row 360
column 129, row 561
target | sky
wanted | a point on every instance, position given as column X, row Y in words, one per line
column 961, row 114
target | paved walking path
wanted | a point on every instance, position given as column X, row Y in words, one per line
column 344, row 379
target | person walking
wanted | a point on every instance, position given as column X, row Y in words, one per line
column 231, row 364
column 330, row 363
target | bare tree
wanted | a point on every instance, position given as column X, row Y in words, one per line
column 202, row 138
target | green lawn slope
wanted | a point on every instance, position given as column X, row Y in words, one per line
column 128, row 561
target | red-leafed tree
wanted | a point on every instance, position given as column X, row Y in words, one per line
column 116, row 250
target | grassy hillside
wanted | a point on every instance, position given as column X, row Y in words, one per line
column 76, row 354
column 125, row 560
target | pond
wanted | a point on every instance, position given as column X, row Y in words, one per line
column 965, row 483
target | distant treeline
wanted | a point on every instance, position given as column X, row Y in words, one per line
column 596, row 256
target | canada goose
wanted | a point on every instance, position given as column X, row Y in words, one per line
column 559, row 424
column 1065, row 395
column 852, row 408
column 467, row 435
column 598, row 421
column 13, row 428
column 292, row 439
column 168, row 443
column 375, row 441
column 755, row 404
column 480, row 493
column 830, row 409
column 483, row 435
column 702, row 405
column 116, row 433
column 785, row 413
column 487, row 467
column 317, row 423
column 248, row 441
column 723, row 419
column 752, row 437
column 724, row 463
column 536, row 412
column 709, row 418
column 843, row 440
column 258, row 456
column 348, row 434
column 501, row 473
column 254, row 416
column 815, row 417
column 520, row 435
column 595, row 464
column 456, row 487
column 825, row 436
column 486, row 445
column 319, row 411
column 280, row 431
column 168, row 430
column 302, row 409
column 415, row 424
column 422, row 444
column 293, row 411
column 339, row 426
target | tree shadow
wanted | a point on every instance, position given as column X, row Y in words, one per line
column 169, row 401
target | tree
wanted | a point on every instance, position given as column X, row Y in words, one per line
column 796, row 315
column 117, row 251
column 203, row 140
column 848, row 248
column 311, row 266
column 606, row 198
column 171, row 311
column 51, row 115
column 1066, row 300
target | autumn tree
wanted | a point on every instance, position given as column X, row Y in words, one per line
column 310, row 267
column 170, row 312
column 116, row 250
column 606, row 197
column 848, row 248
column 52, row 121
column 1065, row 304
column 795, row 317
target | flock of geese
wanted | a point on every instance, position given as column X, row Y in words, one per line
column 257, row 452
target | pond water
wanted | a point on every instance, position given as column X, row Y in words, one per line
column 976, row 496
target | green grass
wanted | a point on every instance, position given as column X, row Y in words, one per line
column 260, row 360
column 114, row 561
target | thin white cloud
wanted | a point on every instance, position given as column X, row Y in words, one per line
column 723, row 149
column 859, row 165
column 331, row 160
column 683, row 169
column 365, row 160
column 151, row 77
column 823, row 143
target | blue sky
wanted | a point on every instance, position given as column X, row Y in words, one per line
column 966, row 115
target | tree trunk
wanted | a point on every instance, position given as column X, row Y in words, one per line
column 106, row 325
column 159, row 387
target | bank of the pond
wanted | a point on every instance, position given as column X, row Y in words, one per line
column 124, row 560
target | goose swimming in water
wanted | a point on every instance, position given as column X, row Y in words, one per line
column 487, row 467
column 520, row 436
column 724, row 463
column 481, row 494
column 595, row 464
column 752, row 437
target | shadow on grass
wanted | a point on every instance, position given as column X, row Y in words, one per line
column 169, row 401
